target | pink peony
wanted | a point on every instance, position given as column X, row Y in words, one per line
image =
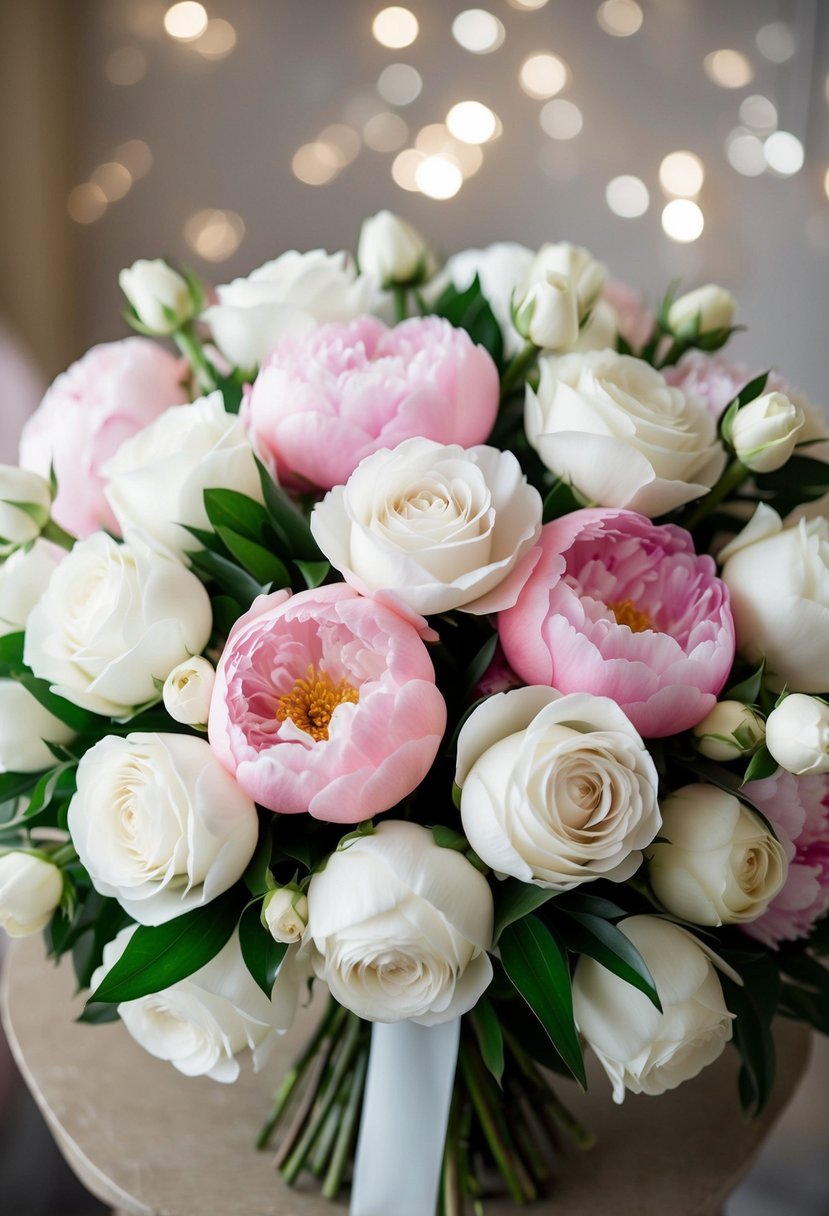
column 623, row 608
column 326, row 702
column 327, row 399
column 715, row 381
column 634, row 320
column 114, row 391
column 798, row 810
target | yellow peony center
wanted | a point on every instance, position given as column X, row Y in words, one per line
column 312, row 701
column 627, row 613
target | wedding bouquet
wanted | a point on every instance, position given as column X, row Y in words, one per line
column 453, row 639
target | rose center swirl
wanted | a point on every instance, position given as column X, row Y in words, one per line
column 311, row 702
column 627, row 613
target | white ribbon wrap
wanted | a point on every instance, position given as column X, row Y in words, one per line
column 411, row 1074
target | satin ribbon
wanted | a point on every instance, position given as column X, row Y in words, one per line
column 411, row 1074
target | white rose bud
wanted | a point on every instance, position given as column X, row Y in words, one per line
column 642, row 1050
column 25, row 728
column 25, row 504
column 23, row 579
column 30, row 891
column 797, row 734
column 729, row 731
column 574, row 263
column 764, row 432
column 713, row 305
column 393, row 251
column 187, row 691
column 162, row 298
column 720, row 864
column 285, row 913
column 547, row 314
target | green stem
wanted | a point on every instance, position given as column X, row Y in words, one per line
column 499, row 1148
column 64, row 855
column 451, row 1193
column 400, row 296
column 297, row 1071
column 548, row 1100
column 191, row 348
column 349, row 1125
column 325, row 1142
column 734, row 475
column 518, row 368
column 57, row 535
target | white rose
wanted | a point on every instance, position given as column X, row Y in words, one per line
column 399, row 927
column 556, row 790
column 720, row 864
column 641, row 1049
column 187, row 691
column 765, row 431
column 713, row 305
column 156, row 480
column 25, row 728
column 547, row 313
column 797, row 734
column 115, row 619
column 778, row 580
column 729, row 731
column 161, row 297
column 159, row 824
column 392, row 251
column 613, row 428
column 500, row 268
column 575, row 264
column 25, row 504
column 286, row 297
column 442, row 526
column 202, row 1023
column 285, row 912
column 23, row 579
column 30, row 891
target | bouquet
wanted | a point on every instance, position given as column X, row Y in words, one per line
column 451, row 639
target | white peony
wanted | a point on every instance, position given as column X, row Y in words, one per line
column 441, row 526
column 642, row 1050
column 556, row 790
column 159, row 824
column 611, row 427
column 30, row 891
column 156, row 480
column 285, row 297
column 115, row 619
column 500, row 268
column 399, row 927
column 719, row 863
column 797, row 734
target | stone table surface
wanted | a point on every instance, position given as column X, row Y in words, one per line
column 151, row 1142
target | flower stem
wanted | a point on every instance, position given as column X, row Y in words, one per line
column 191, row 348
column 451, row 1193
column 518, row 368
column 400, row 296
column 57, row 535
column 349, row 1125
column 64, row 855
column 734, row 475
column 512, row 1171
column 334, row 1013
column 549, row 1104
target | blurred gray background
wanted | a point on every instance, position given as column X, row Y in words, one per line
column 220, row 134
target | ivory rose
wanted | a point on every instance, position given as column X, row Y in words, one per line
column 156, row 480
column 114, row 620
column 556, row 790
column 25, row 503
column 716, row 862
column 159, row 824
column 623, row 608
column 103, row 399
column 642, row 1050
column 440, row 526
column 162, row 298
column 400, row 927
column 323, row 402
column 392, row 251
column 288, row 296
column 326, row 702
column 797, row 734
column 765, row 431
column 611, row 427
column 187, row 691
column 30, row 891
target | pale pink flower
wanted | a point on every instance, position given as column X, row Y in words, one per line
column 798, row 810
column 115, row 390
column 715, row 380
column 324, row 401
column 623, row 608
column 326, row 702
column 634, row 320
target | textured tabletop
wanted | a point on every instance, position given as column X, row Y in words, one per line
column 147, row 1140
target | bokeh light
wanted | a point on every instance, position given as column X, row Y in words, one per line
column 621, row 18
column 218, row 39
column 744, row 151
column 136, row 156
column 113, row 179
column 186, row 21
column 385, row 132
column 682, row 173
column 399, row 84
column 758, row 113
column 316, row 164
column 213, row 234
column 126, row 66
column 543, row 75
column 471, row 122
column 438, row 177
column 775, row 41
column 395, row 27
column 478, row 31
column 627, row 196
column 87, row 203
column 784, row 153
column 682, row 220
column 729, row 69
column 561, row 119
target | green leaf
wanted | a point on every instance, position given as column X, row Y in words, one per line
column 590, row 905
column 15, row 785
column 226, row 612
column 11, row 652
column 754, row 1004
column 229, row 577
column 480, row 663
column 256, row 875
column 73, row 716
column 748, row 690
column 99, row 1013
column 727, row 421
column 762, row 764
column 289, row 522
column 230, row 509
column 490, row 1038
column 256, row 559
column 752, row 390
column 514, row 899
column 231, row 389
column 537, row 967
column 261, row 953
column 560, row 500
column 158, row 956
column 602, row 941
column 314, row 573
column 448, row 838
column 470, row 310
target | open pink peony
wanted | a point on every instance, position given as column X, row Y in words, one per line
column 623, row 608
column 326, row 702
column 324, row 401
